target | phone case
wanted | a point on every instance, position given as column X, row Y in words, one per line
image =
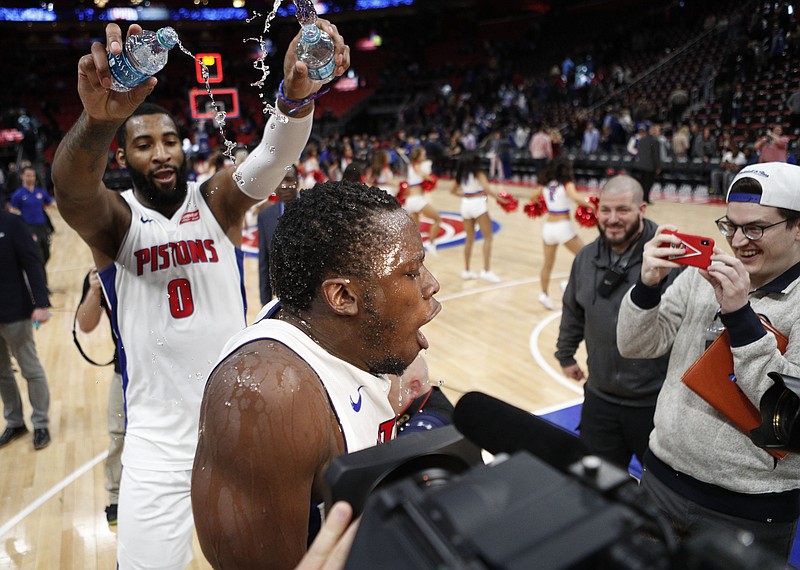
column 698, row 250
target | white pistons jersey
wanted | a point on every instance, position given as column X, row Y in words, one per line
column 176, row 293
column 556, row 198
column 360, row 399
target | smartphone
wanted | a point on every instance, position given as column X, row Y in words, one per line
column 698, row 250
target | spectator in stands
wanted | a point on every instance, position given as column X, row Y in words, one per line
column 557, row 141
column 704, row 147
column 541, row 148
column 606, row 139
column 732, row 161
column 648, row 160
column 680, row 143
column 793, row 103
column 678, row 102
column 493, row 152
column 633, row 142
column 737, row 105
column 591, row 139
column 773, row 146
column 626, row 121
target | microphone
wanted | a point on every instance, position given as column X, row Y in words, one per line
column 499, row 427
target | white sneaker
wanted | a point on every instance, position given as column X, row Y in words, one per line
column 467, row 274
column 490, row 276
column 547, row 302
column 430, row 248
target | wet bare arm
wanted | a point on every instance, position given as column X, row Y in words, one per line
column 267, row 434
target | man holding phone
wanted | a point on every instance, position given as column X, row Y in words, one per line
column 620, row 393
column 700, row 469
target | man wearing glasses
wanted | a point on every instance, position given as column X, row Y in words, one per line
column 701, row 470
column 267, row 221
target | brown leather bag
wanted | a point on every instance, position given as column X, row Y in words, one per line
column 711, row 377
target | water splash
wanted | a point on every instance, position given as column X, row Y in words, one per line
column 261, row 65
column 220, row 116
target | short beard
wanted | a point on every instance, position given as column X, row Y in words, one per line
column 155, row 197
column 626, row 238
column 376, row 332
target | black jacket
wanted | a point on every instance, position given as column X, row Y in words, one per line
column 20, row 265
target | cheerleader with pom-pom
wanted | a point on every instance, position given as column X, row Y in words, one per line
column 559, row 194
column 419, row 177
column 473, row 186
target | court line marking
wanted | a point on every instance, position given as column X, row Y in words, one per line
column 58, row 487
column 533, row 343
column 24, row 513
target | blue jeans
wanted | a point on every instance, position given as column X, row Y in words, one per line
column 17, row 338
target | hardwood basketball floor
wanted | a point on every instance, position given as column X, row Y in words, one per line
column 495, row 338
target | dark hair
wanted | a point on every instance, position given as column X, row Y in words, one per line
column 353, row 172
column 330, row 229
column 143, row 109
column 559, row 169
column 468, row 163
column 749, row 185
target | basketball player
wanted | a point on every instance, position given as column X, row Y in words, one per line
column 169, row 260
column 309, row 380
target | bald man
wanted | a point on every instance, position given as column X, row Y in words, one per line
column 619, row 393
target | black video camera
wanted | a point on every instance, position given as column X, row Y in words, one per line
column 780, row 413
column 430, row 503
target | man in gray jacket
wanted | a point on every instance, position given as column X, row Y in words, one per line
column 620, row 393
column 700, row 469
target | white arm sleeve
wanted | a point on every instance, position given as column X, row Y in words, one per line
column 260, row 173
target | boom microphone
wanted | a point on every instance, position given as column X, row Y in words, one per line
column 499, row 427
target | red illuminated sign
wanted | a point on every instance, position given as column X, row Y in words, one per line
column 213, row 62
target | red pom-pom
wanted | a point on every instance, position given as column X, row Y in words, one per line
column 536, row 207
column 430, row 183
column 508, row 202
column 586, row 216
column 401, row 192
column 594, row 201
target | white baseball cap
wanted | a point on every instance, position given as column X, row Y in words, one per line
column 780, row 185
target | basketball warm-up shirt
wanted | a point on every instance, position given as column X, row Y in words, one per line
column 176, row 293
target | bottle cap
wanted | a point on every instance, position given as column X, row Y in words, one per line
column 167, row 37
column 311, row 33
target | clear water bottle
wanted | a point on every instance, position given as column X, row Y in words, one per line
column 143, row 55
column 315, row 47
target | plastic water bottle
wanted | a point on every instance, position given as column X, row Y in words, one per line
column 143, row 55
column 315, row 47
